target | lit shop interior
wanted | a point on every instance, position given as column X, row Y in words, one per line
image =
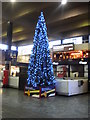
column 45, row 59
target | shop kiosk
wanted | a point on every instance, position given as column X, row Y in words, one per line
column 71, row 87
column 71, row 69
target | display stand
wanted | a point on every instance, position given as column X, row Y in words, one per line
column 40, row 92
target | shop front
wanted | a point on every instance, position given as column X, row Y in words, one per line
column 71, row 69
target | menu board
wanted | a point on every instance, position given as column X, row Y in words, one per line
column 75, row 40
column 65, row 47
column 23, row 59
column 25, row 50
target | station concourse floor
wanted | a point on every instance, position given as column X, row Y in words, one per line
column 17, row 105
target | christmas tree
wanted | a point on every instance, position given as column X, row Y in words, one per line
column 40, row 69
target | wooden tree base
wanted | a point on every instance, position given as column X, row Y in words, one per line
column 40, row 91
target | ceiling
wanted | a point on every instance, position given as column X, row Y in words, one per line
column 63, row 21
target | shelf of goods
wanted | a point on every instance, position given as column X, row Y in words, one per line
column 57, row 56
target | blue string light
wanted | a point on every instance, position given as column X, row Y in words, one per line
column 40, row 69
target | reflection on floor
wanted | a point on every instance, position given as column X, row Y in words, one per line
column 0, row 100
column 0, row 84
column 16, row 105
column 89, row 105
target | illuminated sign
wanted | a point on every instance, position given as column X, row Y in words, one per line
column 23, row 59
column 5, row 47
column 55, row 63
column 55, row 42
column 81, row 62
column 75, row 40
column 76, row 54
column 67, row 47
column 25, row 50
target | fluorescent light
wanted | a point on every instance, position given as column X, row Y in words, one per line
column 13, row 48
column 55, row 42
column 70, row 48
column 3, row 47
column 8, row 22
column 13, row 0
column 64, row 2
column 81, row 62
column 25, row 50
column 75, row 40
column 55, row 63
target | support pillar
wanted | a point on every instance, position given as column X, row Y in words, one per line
column 9, row 43
column 7, row 55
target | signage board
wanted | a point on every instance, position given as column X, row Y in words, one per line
column 65, row 47
column 75, row 40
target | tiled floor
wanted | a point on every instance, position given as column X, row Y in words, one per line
column 16, row 105
column 89, row 105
